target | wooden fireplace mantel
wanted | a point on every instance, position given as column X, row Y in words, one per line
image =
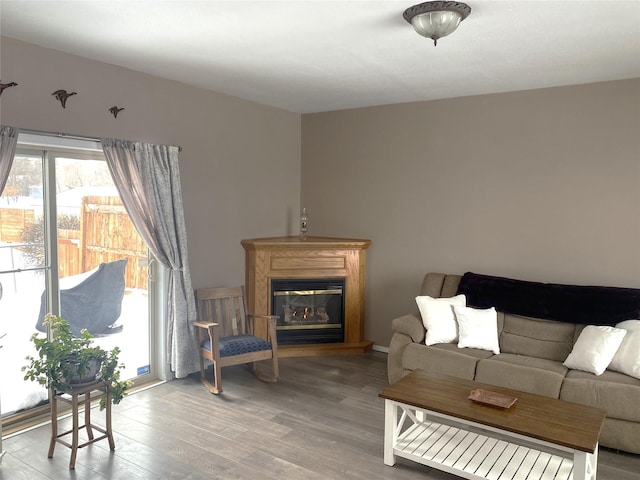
column 316, row 257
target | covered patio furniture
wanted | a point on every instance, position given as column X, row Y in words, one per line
column 91, row 300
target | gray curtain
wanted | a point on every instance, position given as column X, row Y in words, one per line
column 8, row 141
column 148, row 180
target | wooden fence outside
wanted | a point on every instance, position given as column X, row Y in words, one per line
column 69, row 253
column 106, row 234
column 13, row 221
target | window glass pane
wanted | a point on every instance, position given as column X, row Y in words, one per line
column 21, row 278
column 96, row 237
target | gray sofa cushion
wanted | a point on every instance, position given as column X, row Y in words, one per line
column 443, row 359
column 440, row 285
column 536, row 337
column 527, row 374
column 614, row 392
column 620, row 434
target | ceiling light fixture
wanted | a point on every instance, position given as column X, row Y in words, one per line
column 436, row 19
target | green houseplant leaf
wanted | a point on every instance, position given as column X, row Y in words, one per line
column 63, row 357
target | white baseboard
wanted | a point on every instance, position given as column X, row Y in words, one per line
column 380, row 348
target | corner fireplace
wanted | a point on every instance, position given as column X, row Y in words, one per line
column 325, row 258
column 309, row 310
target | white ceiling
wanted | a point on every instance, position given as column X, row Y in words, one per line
column 319, row 55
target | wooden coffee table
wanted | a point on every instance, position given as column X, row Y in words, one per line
column 431, row 420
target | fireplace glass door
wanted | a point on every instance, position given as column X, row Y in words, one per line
column 308, row 310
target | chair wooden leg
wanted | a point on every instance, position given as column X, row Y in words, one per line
column 217, row 377
column 202, row 368
column 215, row 387
column 276, row 370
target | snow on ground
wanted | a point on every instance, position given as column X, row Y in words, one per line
column 19, row 309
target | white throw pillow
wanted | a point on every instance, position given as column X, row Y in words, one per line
column 438, row 318
column 477, row 328
column 627, row 358
column 595, row 348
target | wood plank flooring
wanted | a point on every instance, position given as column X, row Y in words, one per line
column 322, row 420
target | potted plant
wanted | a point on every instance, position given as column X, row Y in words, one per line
column 65, row 361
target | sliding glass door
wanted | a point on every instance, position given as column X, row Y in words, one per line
column 68, row 246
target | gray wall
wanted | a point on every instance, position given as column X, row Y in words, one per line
column 540, row 185
column 240, row 163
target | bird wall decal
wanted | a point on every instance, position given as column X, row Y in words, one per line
column 6, row 85
column 62, row 95
column 115, row 111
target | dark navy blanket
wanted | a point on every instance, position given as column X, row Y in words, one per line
column 566, row 303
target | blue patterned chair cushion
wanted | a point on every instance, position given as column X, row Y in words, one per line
column 239, row 344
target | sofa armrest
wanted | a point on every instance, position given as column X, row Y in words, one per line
column 410, row 325
column 406, row 330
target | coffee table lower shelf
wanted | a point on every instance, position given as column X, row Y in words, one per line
column 468, row 452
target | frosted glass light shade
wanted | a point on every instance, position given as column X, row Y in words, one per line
column 436, row 19
column 435, row 25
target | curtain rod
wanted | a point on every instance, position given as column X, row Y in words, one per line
column 72, row 137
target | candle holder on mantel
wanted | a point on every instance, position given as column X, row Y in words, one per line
column 303, row 224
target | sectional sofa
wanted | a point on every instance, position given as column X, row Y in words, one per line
column 548, row 339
